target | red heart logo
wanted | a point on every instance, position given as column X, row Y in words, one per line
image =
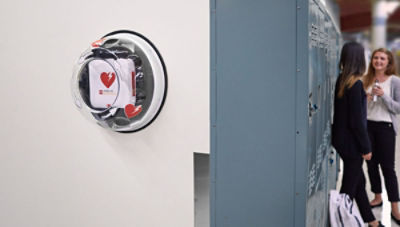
column 132, row 111
column 107, row 79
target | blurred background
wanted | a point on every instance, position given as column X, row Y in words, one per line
column 375, row 23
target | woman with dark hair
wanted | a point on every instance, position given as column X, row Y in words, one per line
column 349, row 129
column 383, row 89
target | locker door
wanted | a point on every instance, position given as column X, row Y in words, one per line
column 253, row 113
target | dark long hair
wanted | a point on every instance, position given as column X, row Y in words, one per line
column 390, row 69
column 351, row 65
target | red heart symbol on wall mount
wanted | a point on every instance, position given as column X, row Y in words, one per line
column 107, row 79
column 132, row 111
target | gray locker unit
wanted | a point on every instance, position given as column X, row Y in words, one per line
column 273, row 68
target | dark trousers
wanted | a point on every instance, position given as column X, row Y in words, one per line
column 383, row 141
column 353, row 184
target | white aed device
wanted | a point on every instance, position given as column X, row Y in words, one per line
column 106, row 90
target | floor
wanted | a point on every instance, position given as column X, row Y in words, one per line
column 383, row 213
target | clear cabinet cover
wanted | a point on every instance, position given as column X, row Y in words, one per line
column 120, row 82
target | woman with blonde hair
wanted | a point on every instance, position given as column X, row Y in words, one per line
column 383, row 91
column 349, row 129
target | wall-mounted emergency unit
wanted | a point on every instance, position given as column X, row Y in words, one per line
column 273, row 69
column 120, row 82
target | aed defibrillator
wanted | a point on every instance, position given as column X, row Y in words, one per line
column 120, row 82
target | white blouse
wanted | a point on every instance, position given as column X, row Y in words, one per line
column 377, row 111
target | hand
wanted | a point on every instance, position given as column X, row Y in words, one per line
column 377, row 90
column 367, row 156
column 369, row 97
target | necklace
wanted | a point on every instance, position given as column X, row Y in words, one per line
column 382, row 79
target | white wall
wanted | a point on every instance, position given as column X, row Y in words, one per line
column 57, row 168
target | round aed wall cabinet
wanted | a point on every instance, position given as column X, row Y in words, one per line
column 120, row 82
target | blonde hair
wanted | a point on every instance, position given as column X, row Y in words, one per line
column 348, row 83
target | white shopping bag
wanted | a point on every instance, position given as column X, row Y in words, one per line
column 343, row 212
